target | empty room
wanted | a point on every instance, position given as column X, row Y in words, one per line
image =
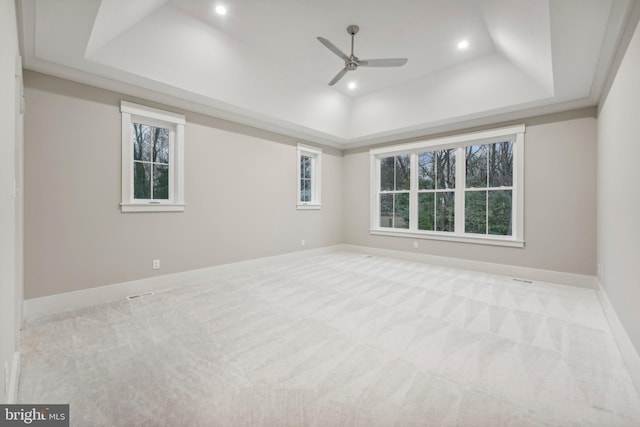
column 336, row 213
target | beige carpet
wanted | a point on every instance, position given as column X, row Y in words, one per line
column 336, row 340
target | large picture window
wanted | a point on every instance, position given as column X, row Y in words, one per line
column 152, row 159
column 462, row 188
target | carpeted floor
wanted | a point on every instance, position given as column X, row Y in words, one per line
column 336, row 340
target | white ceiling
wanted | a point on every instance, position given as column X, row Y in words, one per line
column 261, row 64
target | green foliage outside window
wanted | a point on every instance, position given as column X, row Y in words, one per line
column 436, row 171
column 395, row 178
column 489, row 166
column 487, row 189
column 150, row 162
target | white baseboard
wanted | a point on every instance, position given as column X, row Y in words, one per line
column 14, row 379
column 534, row 274
column 627, row 350
column 36, row 307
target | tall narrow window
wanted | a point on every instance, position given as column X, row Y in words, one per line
column 152, row 159
column 150, row 162
column 309, row 177
column 489, row 188
column 436, row 190
column 306, row 168
column 395, row 180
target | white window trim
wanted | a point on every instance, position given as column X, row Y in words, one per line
column 316, row 177
column 457, row 141
column 175, row 122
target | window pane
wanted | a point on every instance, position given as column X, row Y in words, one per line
column 301, row 195
column 305, row 190
column 426, row 211
column 141, row 142
column 141, row 180
column 475, row 212
column 386, row 210
column 445, row 211
column 501, row 164
column 160, row 182
column 476, row 166
column 305, row 166
column 386, row 173
column 426, row 171
column 446, row 168
column 403, row 172
column 500, row 212
column 160, row 145
column 401, row 211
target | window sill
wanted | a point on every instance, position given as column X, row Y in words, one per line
column 480, row 240
column 308, row 207
column 152, row 207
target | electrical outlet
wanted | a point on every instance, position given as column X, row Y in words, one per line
column 415, row 245
column 303, row 242
column 156, row 264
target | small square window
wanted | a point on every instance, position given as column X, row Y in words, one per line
column 309, row 177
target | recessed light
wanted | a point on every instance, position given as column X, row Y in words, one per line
column 221, row 10
column 463, row 44
column 351, row 85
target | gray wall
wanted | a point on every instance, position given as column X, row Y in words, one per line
column 560, row 201
column 240, row 193
column 619, row 192
column 8, row 221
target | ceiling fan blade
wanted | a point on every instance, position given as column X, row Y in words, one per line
column 333, row 48
column 386, row 62
column 338, row 76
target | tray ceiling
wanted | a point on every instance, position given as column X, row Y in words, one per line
column 260, row 64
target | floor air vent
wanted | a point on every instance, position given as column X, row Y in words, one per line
column 146, row 294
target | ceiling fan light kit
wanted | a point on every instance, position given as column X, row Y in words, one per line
column 352, row 62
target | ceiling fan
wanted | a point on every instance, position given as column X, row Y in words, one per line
column 352, row 62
